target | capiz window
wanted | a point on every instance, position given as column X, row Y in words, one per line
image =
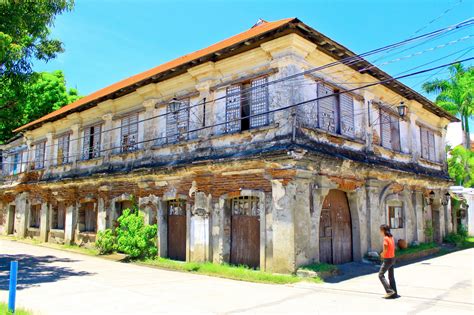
column 395, row 217
column 129, row 132
column 247, row 105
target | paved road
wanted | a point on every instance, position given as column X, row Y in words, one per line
column 57, row 282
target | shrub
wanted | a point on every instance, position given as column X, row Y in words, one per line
column 134, row 238
column 106, row 241
column 457, row 238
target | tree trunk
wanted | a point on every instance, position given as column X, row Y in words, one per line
column 466, row 130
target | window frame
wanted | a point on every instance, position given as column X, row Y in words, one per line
column 40, row 153
column 391, row 116
column 177, row 121
column 391, row 209
column 430, row 137
column 37, row 223
column 64, row 144
column 91, row 146
column 129, row 133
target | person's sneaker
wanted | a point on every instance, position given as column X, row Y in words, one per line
column 390, row 295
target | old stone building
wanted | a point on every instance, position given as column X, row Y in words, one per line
column 215, row 151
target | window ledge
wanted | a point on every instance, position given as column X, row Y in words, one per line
column 57, row 230
column 391, row 150
column 430, row 162
column 87, row 233
column 35, row 229
column 333, row 134
column 90, row 160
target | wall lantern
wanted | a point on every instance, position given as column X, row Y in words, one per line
column 174, row 105
column 429, row 200
column 402, row 109
column 446, row 199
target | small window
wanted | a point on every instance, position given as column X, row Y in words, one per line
column 389, row 130
column 91, row 142
column 247, row 105
column 335, row 111
column 177, row 121
column 63, row 149
column 87, row 218
column 395, row 217
column 177, row 207
column 35, row 216
column 58, row 217
column 17, row 166
column 428, row 147
column 39, row 155
column 129, row 133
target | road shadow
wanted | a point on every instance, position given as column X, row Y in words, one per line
column 35, row 270
column 356, row 269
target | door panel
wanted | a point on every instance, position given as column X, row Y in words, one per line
column 245, row 242
column 177, row 237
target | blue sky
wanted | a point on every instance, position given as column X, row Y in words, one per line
column 107, row 41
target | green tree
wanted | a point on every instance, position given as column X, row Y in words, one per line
column 38, row 96
column 456, row 95
column 461, row 166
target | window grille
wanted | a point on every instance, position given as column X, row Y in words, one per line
column 129, row 133
column 245, row 205
column 177, row 207
column 259, row 103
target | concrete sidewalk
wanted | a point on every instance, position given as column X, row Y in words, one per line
column 57, row 282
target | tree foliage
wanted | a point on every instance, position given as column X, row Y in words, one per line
column 461, row 166
column 38, row 96
column 456, row 94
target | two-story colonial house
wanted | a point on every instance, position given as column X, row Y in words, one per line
column 215, row 150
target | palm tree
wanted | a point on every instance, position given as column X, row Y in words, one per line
column 455, row 95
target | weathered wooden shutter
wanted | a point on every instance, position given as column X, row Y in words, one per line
column 326, row 108
column 171, row 125
column 182, row 120
column 86, row 145
column 129, row 131
column 232, row 109
column 395, row 133
column 424, row 143
column 63, row 149
column 431, row 146
column 259, row 102
column 346, row 106
column 385, row 130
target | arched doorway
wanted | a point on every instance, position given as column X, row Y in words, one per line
column 335, row 229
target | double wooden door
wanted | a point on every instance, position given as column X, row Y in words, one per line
column 335, row 230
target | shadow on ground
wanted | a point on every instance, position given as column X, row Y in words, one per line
column 34, row 270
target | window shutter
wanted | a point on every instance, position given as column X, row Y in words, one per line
column 86, row 146
column 395, row 133
column 431, row 146
column 346, row 105
column 326, row 108
column 171, row 126
column 232, row 110
column 385, row 130
column 424, row 143
column 182, row 120
column 259, row 102
column 129, row 131
column 96, row 140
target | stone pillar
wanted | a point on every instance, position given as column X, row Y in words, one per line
column 75, row 144
column 200, row 249
column 357, row 204
column 148, row 125
column 418, row 208
column 70, row 224
column 22, row 205
column 204, row 111
column 318, row 194
column 101, row 215
column 107, row 136
column 374, row 215
column 283, row 206
column 49, row 151
column 162, row 229
column 44, row 222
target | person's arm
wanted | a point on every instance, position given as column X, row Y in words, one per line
column 385, row 248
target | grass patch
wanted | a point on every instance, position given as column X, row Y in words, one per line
column 416, row 249
column 468, row 242
column 18, row 311
column 321, row 267
column 225, row 271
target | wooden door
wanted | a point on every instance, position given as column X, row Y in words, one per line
column 177, row 230
column 335, row 230
column 245, row 232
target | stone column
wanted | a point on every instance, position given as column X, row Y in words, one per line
column 75, row 144
column 162, row 229
column 44, row 222
column 22, row 205
column 106, row 137
column 70, row 224
column 101, row 215
column 283, row 199
column 374, row 215
column 203, row 113
column 417, row 197
column 200, row 249
column 49, row 151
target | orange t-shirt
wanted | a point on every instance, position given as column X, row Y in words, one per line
column 390, row 244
